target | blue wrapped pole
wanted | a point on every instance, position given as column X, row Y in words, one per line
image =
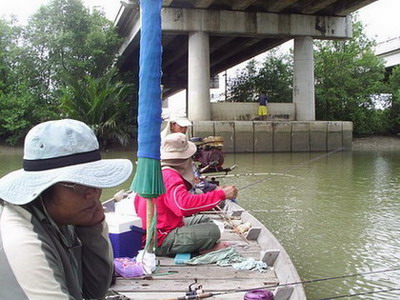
column 148, row 180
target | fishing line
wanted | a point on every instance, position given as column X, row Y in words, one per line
column 311, row 281
column 360, row 294
column 251, row 174
column 292, row 168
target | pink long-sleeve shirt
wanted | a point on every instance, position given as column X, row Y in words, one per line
column 176, row 204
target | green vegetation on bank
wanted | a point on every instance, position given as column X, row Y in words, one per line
column 60, row 65
column 63, row 63
column 349, row 84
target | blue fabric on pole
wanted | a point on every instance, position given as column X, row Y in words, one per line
column 149, row 115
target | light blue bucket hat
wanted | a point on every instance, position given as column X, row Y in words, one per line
column 61, row 151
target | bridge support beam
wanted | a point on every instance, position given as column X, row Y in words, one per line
column 199, row 77
column 303, row 80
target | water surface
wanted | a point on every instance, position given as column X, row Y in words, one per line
column 335, row 214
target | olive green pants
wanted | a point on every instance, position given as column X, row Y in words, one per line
column 198, row 233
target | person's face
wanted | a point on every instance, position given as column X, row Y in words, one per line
column 74, row 204
column 176, row 128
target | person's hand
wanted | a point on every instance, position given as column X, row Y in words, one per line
column 96, row 217
column 230, row 191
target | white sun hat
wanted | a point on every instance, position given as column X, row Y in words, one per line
column 61, row 151
column 177, row 146
column 180, row 120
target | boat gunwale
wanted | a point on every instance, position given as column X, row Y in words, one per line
column 284, row 268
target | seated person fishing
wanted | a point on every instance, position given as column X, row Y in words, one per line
column 179, row 230
column 176, row 123
column 53, row 238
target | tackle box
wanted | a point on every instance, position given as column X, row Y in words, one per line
column 125, row 233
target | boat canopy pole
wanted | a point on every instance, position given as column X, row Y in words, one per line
column 148, row 181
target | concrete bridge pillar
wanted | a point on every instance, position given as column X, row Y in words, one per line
column 303, row 81
column 199, row 106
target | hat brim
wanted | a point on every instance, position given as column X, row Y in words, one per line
column 189, row 152
column 183, row 123
column 21, row 187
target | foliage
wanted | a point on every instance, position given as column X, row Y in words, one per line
column 63, row 48
column 393, row 112
column 99, row 102
column 20, row 112
column 349, row 83
column 274, row 76
column 241, row 87
column 66, row 39
column 347, row 74
column 20, row 107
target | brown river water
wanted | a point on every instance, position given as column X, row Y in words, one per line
column 336, row 214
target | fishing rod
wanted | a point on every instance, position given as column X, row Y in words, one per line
column 250, row 174
column 264, row 179
column 310, row 281
column 360, row 294
column 292, row 168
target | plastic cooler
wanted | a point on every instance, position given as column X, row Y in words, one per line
column 125, row 234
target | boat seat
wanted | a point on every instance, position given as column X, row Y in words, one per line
column 269, row 256
column 237, row 213
column 253, row 233
column 283, row 292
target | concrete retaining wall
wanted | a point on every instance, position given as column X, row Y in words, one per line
column 278, row 136
column 247, row 111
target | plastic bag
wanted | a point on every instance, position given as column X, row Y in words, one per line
column 127, row 267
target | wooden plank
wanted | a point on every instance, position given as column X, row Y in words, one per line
column 230, row 235
column 181, row 286
column 167, row 296
column 171, row 280
column 206, row 271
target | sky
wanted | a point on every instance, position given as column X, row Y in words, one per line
column 25, row 8
column 381, row 18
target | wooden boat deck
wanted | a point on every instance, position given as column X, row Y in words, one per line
column 172, row 281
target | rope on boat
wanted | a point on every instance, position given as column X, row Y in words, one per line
column 229, row 220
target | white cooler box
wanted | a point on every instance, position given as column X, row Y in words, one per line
column 125, row 233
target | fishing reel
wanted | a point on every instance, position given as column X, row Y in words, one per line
column 195, row 289
column 209, row 154
column 195, row 292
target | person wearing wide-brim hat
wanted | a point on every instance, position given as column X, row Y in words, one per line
column 176, row 124
column 176, row 231
column 53, row 238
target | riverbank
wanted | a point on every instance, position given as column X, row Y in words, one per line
column 370, row 143
column 376, row 143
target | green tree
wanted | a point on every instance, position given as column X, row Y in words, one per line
column 347, row 75
column 241, row 88
column 276, row 78
column 62, row 40
column 273, row 75
column 102, row 103
column 68, row 40
column 393, row 110
column 19, row 105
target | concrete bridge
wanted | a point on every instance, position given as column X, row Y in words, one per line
column 390, row 51
column 202, row 38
